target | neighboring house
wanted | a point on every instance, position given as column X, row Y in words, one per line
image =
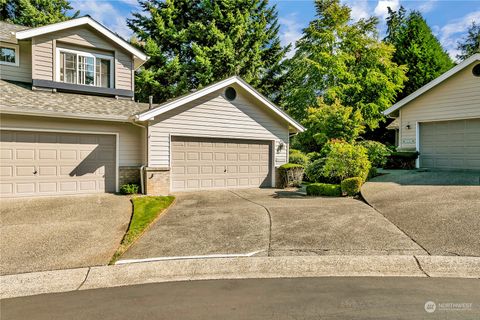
column 69, row 122
column 441, row 120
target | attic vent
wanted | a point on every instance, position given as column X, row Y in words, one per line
column 476, row 70
column 230, row 93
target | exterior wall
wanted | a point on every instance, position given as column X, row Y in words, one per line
column 214, row 116
column 131, row 138
column 157, row 181
column 83, row 38
column 456, row 98
column 22, row 72
column 128, row 174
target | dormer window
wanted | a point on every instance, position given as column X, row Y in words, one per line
column 9, row 54
column 84, row 68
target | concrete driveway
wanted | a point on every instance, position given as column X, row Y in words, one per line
column 439, row 210
column 269, row 222
column 49, row 233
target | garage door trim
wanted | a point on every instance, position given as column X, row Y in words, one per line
column 271, row 160
column 116, row 134
column 417, row 131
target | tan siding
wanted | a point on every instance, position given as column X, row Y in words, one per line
column 456, row 98
column 131, row 138
column 216, row 117
column 80, row 38
column 22, row 72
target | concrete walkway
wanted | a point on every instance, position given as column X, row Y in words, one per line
column 269, row 222
column 440, row 210
column 28, row 284
column 49, row 233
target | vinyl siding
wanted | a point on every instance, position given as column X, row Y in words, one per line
column 22, row 72
column 80, row 38
column 131, row 138
column 456, row 98
column 214, row 116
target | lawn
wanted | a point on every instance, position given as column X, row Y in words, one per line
column 145, row 210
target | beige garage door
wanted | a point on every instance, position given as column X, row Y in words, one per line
column 49, row 163
column 450, row 144
column 199, row 163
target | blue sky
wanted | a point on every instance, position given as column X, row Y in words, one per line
column 449, row 19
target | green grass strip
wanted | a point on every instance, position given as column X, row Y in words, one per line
column 145, row 210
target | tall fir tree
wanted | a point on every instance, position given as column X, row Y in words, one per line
column 193, row 43
column 471, row 43
column 343, row 63
column 36, row 13
column 416, row 47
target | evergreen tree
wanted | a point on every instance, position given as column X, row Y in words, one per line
column 35, row 13
column 417, row 48
column 345, row 64
column 471, row 44
column 192, row 43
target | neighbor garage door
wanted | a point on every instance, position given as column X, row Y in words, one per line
column 49, row 163
column 199, row 163
column 450, row 144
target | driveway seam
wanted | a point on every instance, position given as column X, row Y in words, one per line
column 85, row 279
column 400, row 229
column 420, row 266
column 269, row 219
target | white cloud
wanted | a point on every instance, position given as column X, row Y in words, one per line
column 381, row 10
column 427, row 6
column 359, row 8
column 105, row 13
column 450, row 33
column 290, row 31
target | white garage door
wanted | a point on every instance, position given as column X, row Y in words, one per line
column 450, row 144
column 199, row 163
column 49, row 163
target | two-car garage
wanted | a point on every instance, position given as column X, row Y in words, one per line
column 56, row 163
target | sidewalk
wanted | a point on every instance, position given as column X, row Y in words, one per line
column 237, row 268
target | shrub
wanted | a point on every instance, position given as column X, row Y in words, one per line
column 372, row 173
column 351, row 186
column 291, row 174
column 324, row 189
column 129, row 188
column 312, row 156
column 377, row 152
column 402, row 160
column 314, row 170
column 298, row 157
column 346, row 160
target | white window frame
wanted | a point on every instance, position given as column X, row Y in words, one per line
column 17, row 54
column 85, row 54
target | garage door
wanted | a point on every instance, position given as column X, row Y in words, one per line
column 49, row 163
column 199, row 163
column 450, row 144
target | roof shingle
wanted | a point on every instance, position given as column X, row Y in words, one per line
column 7, row 31
column 16, row 97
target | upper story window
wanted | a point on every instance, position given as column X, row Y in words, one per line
column 9, row 54
column 85, row 68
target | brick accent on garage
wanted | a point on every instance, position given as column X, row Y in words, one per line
column 128, row 174
column 157, row 181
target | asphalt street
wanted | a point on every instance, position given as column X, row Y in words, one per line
column 297, row 298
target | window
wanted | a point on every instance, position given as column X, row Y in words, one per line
column 84, row 68
column 230, row 93
column 476, row 70
column 9, row 54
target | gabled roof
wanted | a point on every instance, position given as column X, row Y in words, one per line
column 170, row 105
column 139, row 56
column 433, row 83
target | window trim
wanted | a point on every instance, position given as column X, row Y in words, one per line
column 15, row 47
column 85, row 54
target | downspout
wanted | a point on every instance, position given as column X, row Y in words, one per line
column 143, row 166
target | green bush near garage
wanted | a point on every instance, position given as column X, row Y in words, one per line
column 291, row 174
column 351, row 186
column 324, row 189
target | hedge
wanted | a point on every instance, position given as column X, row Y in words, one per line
column 351, row 186
column 291, row 174
column 324, row 189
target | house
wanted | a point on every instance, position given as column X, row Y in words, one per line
column 441, row 120
column 70, row 123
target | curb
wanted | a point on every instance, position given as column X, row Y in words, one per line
column 28, row 284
